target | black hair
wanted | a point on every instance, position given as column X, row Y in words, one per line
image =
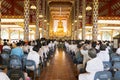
column 103, row 47
column 18, row 44
column 79, row 45
column 36, row 48
column 94, row 43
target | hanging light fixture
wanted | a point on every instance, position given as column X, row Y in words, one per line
column 32, row 7
column 88, row 8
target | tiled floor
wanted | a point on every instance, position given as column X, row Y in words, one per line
column 60, row 68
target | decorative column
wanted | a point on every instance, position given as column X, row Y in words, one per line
column 9, row 35
column 43, row 12
column 77, row 19
column 83, row 18
column 71, row 17
column 47, row 30
column 0, row 19
column 26, row 20
column 19, row 34
column 37, row 33
column 47, row 24
column 95, row 20
column 74, row 22
column 112, row 35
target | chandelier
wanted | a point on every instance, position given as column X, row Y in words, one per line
column 60, row 23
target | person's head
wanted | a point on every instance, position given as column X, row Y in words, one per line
column 92, row 53
column 36, row 48
column 85, row 47
column 107, row 44
column 18, row 44
column 79, row 46
column 103, row 47
column 94, row 44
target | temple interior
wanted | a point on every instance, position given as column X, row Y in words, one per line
column 60, row 21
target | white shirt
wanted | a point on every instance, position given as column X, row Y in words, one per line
column 85, row 56
column 103, row 55
column 93, row 66
column 3, row 76
column 41, row 53
column 33, row 55
column 118, row 51
column 6, row 47
column 31, row 48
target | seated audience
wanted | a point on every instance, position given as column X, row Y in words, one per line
column 118, row 50
column 6, row 46
column 17, row 50
column 33, row 55
column 94, row 65
column 3, row 75
column 84, row 52
column 103, row 54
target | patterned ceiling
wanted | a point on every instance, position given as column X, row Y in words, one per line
column 16, row 7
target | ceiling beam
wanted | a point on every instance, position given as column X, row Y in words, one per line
column 60, row 4
column 108, row 6
column 14, row 5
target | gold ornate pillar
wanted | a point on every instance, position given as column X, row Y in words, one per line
column 47, row 30
column 9, row 35
column 26, row 20
column 43, row 12
column 112, row 35
column 0, row 19
column 83, row 18
column 74, row 22
column 19, row 34
column 47, row 14
column 77, row 19
column 95, row 20
column 37, row 33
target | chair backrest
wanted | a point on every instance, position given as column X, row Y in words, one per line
column 107, row 65
column 15, row 57
column 103, row 75
column 14, row 74
column 15, row 64
column 8, row 51
column 30, row 63
column 5, row 58
column 115, row 58
column 117, row 75
column 116, row 65
column 24, row 58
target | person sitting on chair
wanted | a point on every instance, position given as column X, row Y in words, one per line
column 118, row 50
column 3, row 71
column 17, row 50
column 93, row 65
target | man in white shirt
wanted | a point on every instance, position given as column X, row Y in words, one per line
column 6, row 46
column 103, row 54
column 118, row 50
column 33, row 55
column 84, row 52
column 3, row 75
column 94, row 65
